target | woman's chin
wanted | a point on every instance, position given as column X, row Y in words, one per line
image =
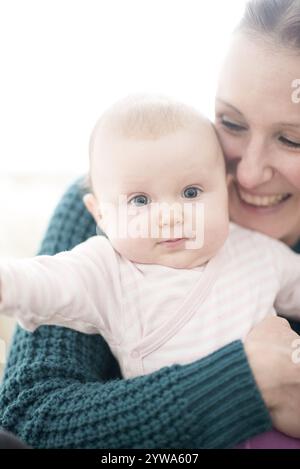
column 273, row 220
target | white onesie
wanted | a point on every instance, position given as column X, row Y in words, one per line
column 151, row 315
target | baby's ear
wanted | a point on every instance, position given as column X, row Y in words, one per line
column 92, row 206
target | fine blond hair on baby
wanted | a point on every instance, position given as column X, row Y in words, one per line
column 145, row 117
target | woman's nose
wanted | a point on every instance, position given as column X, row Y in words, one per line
column 254, row 166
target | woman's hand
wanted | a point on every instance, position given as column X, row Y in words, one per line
column 269, row 347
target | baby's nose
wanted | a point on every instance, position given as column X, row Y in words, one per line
column 170, row 215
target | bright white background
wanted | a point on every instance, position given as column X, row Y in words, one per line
column 62, row 63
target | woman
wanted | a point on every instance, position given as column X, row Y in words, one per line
column 64, row 389
column 258, row 119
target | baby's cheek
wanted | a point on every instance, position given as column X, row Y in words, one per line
column 122, row 246
column 216, row 222
column 134, row 249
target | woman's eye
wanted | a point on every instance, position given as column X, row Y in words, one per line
column 289, row 143
column 192, row 192
column 231, row 125
column 139, row 200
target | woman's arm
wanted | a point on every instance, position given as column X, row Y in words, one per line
column 63, row 388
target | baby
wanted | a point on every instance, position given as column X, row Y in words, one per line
column 173, row 280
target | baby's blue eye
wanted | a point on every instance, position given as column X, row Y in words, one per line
column 192, row 192
column 139, row 200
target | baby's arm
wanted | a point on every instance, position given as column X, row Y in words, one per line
column 287, row 265
column 61, row 289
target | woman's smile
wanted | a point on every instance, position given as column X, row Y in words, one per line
column 263, row 204
column 259, row 200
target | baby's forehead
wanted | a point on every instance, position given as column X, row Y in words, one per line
column 134, row 162
column 112, row 145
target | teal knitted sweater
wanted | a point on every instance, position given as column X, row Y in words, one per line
column 63, row 389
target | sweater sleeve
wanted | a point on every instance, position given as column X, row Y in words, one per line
column 63, row 389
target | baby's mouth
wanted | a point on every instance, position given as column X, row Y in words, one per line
column 263, row 201
column 172, row 241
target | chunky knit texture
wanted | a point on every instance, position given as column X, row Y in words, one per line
column 63, row 389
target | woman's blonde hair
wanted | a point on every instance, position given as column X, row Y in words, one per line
column 276, row 21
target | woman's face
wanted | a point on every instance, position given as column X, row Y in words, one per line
column 258, row 122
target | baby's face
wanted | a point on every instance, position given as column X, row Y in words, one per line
column 161, row 201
